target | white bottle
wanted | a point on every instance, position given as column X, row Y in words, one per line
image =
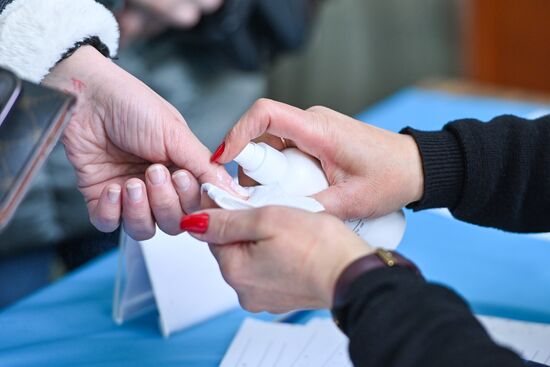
column 300, row 174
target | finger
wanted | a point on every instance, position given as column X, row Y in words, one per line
column 106, row 213
column 275, row 141
column 339, row 200
column 279, row 119
column 185, row 150
column 209, row 6
column 188, row 191
column 185, row 14
column 218, row 226
column 136, row 213
column 163, row 199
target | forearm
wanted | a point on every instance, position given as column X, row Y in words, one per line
column 36, row 34
column 493, row 174
column 394, row 318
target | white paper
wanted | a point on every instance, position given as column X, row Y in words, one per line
column 530, row 340
column 321, row 343
column 186, row 281
column 268, row 344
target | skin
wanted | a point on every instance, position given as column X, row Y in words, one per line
column 280, row 259
column 146, row 18
column 119, row 130
column 371, row 171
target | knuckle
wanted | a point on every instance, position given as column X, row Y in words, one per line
column 223, row 226
column 262, row 104
column 267, row 214
column 231, row 273
column 162, row 203
column 318, row 109
column 248, row 303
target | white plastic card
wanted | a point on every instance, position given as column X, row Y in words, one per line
column 177, row 275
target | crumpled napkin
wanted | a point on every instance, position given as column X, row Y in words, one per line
column 261, row 196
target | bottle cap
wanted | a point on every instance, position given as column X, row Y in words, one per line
column 262, row 163
column 251, row 157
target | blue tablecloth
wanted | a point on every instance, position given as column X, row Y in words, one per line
column 69, row 323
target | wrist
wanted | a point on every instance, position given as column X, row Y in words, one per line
column 443, row 168
column 79, row 73
column 348, row 254
column 379, row 259
column 413, row 179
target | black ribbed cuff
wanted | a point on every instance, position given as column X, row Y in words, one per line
column 93, row 41
column 443, row 163
column 3, row 4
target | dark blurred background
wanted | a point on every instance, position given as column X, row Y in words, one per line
column 345, row 54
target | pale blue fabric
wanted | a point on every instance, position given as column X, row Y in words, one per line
column 69, row 323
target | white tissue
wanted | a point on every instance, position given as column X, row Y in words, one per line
column 261, row 196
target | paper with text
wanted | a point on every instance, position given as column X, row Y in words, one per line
column 530, row 340
column 268, row 344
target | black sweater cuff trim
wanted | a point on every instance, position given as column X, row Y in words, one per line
column 443, row 163
column 93, row 41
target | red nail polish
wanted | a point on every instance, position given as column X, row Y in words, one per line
column 218, row 153
column 196, row 223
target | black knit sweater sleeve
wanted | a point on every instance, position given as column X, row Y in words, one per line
column 393, row 318
column 494, row 174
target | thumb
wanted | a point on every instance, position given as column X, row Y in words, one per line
column 186, row 151
column 275, row 118
column 221, row 227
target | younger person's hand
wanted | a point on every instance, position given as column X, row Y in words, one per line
column 278, row 259
column 371, row 172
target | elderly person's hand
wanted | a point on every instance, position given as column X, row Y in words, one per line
column 149, row 17
column 371, row 172
column 120, row 127
column 278, row 259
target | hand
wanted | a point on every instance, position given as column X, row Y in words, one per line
column 278, row 259
column 150, row 17
column 371, row 172
column 119, row 128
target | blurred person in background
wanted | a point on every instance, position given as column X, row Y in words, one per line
column 206, row 57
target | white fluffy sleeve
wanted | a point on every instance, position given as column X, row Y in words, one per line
column 34, row 34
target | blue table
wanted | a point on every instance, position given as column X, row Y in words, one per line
column 69, row 323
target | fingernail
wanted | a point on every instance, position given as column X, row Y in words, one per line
column 135, row 192
column 182, row 180
column 218, row 153
column 156, row 175
column 113, row 194
column 195, row 223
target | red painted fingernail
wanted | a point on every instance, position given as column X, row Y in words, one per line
column 218, row 153
column 196, row 223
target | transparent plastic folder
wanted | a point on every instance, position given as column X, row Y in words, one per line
column 176, row 275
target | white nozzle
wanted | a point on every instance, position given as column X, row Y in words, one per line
column 262, row 163
column 251, row 157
